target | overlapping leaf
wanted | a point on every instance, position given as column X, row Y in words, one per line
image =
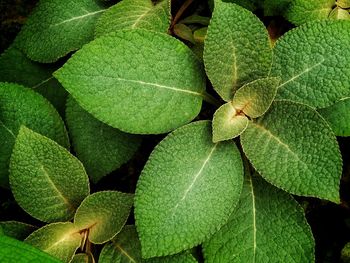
column 16, row 229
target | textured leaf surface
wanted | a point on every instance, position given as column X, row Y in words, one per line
column 228, row 123
column 233, row 55
column 101, row 148
column 57, row 27
column 12, row 250
column 17, row 230
column 132, row 14
column 46, row 180
column 338, row 117
column 81, row 258
column 60, row 240
column 275, row 7
column 313, row 64
column 104, row 214
column 268, row 225
column 21, row 106
column 138, row 91
column 293, row 147
column 187, row 190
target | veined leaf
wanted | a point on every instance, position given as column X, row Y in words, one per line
column 60, row 240
column 313, row 64
column 268, row 225
column 103, row 214
column 339, row 13
column 155, row 96
column 293, row 147
column 21, row 106
column 57, row 27
column 101, row 148
column 12, row 250
column 233, row 55
column 132, row 14
column 16, row 229
column 46, row 180
column 187, row 190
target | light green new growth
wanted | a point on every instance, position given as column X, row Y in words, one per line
column 17, row 230
column 186, row 191
column 268, row 225
column 132, row 14
column 81, row 258
column 233, row 55
column 57, row 27
column 103, row 214
column 294, row 148
column 46, row 180
column 123, row 80
column 60, row 240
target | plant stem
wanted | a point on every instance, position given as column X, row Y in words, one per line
column 211, row 100
column 180, row 12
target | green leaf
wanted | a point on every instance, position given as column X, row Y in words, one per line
column 17, row 230
column 101, row 148
column 343, row 3
column 293, row 147
column 228, row 123
column 186, row 175
column 275, row 7
column 184, row 257
column 313, row 64
column 57, row 239
column 132, row 96
column 338, row 117
column 339, row 13
column 200, row 34
column 184, row 32
column 81, row 258
column 12, row 250
column 233, row 55
column 21, row 106
column 247, row 4
column 345, row 253
column 46, row 180
column 57, row 27
column 268, row 225
column 196, row 19
column 132, row 14
column 104, row 214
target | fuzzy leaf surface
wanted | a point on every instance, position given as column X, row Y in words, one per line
column 233, row 55
column 132, row 14
column 313, row 63
column 155, row 96
column 268, row 225
column 294, row 148
column 187, row 190
column 46, row 180
column 17, row 230
column 21, row 106
column 101, row 148
column 57, row 27
column 104, row 214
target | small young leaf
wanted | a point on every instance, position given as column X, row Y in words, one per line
column 343, row 3
column 104, row 214
column 338, row 117
column 81, row 258
column 228, row 123
column 196, row 19
column 294, row 148
column 339, row 13
column 46, row 180
column 17, row 230
column 57, row 27
column 60, row 240
column 12, row 250
column 22, row 106
column 313, row 63
column 200, row 34
column 187, row 190
column 268, row 225
column 233, row 55
column 132, row 14
column 155, row 96
column 184, row 32
column 101, row 148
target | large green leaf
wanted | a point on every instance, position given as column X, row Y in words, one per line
column 16, row 229
column 187, row 190
column 21, row 106
column 57, row 27
column 123, row 80
column 275, row 7
column 101, row 148
column 338, row 117
column 268, row 225
column 233, row 55
column 103, row 214
column 12, row 250
column 294, row 148
column 57, row 239
column 313, row 63
column 131, row 14
column 46, row 180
